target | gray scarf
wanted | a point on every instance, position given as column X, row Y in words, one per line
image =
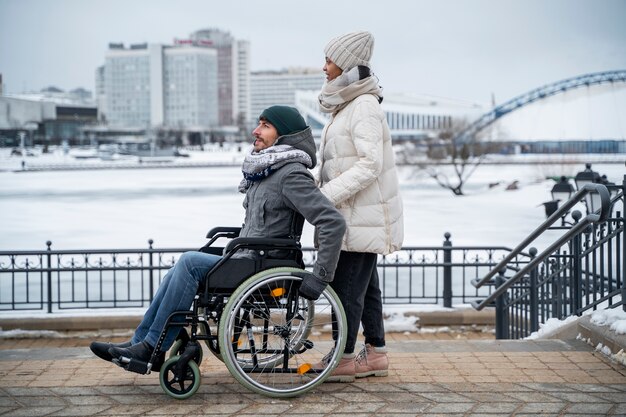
column 259, row 165
column 336, row 94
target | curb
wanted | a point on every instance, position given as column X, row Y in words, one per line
column 458, row 317
column 601, row 334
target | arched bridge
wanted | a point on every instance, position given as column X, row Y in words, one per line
column 539, row 94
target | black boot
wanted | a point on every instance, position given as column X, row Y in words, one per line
column 101, row 349
column 136, row 357
column 141, row 351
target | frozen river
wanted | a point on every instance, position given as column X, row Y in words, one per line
column 123, row 208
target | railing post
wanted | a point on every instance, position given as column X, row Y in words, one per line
column 534, row 294
column 502, row 316
column 447, row 271
column 623, row 242
column 151, row 270
column 576, row 293
column 49, row 266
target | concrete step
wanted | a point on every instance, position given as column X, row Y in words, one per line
column 75, row 322
column 601, row 334
column 583, row 328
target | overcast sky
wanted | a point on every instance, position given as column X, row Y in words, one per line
column 463, row 49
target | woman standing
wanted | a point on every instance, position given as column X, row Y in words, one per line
column 358, row 175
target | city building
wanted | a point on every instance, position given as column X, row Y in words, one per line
column 279, row 87
column 190, row 87
column 101, row 98
column 233, row 74
column 152, row 85
column 43, row 120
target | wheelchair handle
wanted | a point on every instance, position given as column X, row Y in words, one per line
column 229, row 232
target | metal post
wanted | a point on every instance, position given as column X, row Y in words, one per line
column 534, row 294
column 49, row 259
column 447, row 271
column 623, row 242
column 576, row 278
column 502, row 317
column 151, row 270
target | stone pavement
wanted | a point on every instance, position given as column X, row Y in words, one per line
column 469, row 377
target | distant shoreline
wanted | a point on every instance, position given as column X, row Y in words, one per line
column 535, row 159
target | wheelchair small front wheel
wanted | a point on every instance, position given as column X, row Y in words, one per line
column 179, row 383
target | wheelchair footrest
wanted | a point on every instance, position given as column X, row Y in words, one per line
column 137, row 366
column 134, row 365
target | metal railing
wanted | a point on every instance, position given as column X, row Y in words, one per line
column 581, row 270
column 55, row 280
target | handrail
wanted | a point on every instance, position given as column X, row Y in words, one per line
column 605, row 198
column 577, row 228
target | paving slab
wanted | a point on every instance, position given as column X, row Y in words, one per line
column 426, row 378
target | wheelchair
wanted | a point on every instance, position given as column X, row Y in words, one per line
column 249, row 314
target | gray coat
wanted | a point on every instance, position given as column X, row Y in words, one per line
column 272, row 203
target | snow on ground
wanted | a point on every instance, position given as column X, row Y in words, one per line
column 550, row 327
column 614, row 318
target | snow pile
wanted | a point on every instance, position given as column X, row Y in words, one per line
column 398, row 322
column 550, row 327
column 52, row 334
column 605, row 350
column 30, row 334
column 614, row 318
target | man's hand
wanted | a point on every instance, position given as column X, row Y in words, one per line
column 312, row 285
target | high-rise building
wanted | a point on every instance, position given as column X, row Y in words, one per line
column 101, row 97
column 156, row 85
column 242, row 110
column 279, row 87
column 233, row 69
column 190, row 87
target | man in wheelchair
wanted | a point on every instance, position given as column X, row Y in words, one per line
column 278, row 187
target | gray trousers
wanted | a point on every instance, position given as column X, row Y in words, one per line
column 357, row 285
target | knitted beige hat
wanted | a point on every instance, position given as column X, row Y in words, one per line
column 350, row 50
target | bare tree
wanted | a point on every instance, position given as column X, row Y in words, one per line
column 463, row 154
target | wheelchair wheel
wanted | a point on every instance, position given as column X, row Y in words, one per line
column 277, row 343
column 179, row 384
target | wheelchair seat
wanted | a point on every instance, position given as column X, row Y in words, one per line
column 245, row 256
column 230, row 274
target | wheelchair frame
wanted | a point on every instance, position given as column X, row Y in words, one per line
column 270, row 339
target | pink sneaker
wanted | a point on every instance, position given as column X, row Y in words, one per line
column 345, row 370
column 372, row 361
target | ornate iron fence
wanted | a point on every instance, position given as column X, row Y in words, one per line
column 55, row 280
column 582, row 270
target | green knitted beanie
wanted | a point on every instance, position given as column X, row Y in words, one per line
column 285, row 119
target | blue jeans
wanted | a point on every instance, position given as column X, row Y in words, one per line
column 357, row 285
column 175, row 293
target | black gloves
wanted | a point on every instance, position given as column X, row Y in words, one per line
column 313, row 285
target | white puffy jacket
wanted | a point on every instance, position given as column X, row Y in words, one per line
column 358, row 175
